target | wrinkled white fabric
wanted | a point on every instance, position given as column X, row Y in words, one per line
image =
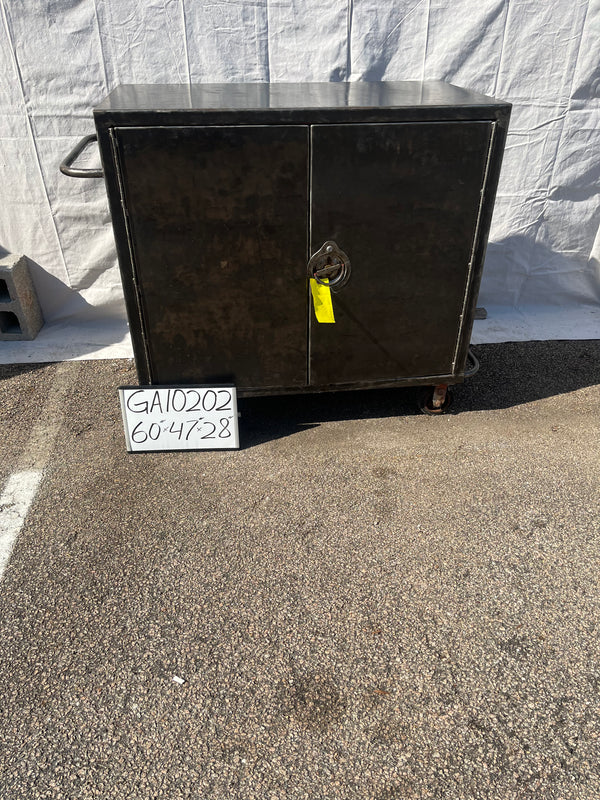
column 59, row 58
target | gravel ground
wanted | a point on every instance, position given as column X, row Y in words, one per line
column 362, row 602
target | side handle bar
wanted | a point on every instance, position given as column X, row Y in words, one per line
column 66, row 167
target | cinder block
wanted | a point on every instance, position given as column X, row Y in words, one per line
column 20, row 313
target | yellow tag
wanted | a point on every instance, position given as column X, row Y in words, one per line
column 321, row 296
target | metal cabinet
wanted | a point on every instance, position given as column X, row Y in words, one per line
column 220, row 195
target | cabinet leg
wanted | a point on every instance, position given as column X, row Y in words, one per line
column 440, row 393
column 436, row 400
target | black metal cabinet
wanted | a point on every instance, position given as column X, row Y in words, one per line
column 220, row 194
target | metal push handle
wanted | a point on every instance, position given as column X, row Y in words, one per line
column 66, row 168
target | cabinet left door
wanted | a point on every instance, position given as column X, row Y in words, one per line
column 217, row 223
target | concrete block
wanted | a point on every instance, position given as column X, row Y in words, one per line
column 20, row 313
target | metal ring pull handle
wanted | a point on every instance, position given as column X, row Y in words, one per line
column 330, row 266
column 81, row 172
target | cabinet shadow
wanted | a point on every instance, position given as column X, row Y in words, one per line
column 510, row 374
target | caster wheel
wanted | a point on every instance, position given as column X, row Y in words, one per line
column 426, row 402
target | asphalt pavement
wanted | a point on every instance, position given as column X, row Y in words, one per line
column 361, row 602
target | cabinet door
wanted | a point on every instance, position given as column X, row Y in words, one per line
column 402, row 201
column 218, row 223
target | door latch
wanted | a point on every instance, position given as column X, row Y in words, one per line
column 330, row 266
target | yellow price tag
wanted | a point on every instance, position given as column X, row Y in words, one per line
column 321, row 296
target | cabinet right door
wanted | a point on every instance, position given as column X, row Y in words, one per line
column 402, row 201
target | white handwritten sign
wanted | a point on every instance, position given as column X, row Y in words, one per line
column 179, row 417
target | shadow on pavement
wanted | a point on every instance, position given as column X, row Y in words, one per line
column 14, row 370
column 510, row 374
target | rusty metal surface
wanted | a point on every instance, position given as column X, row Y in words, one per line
column 403, row 202
column 218, row 221
column 439, row 396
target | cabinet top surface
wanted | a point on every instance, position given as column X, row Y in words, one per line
column 292, row 97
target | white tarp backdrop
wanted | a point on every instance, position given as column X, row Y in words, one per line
column 59, row 58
